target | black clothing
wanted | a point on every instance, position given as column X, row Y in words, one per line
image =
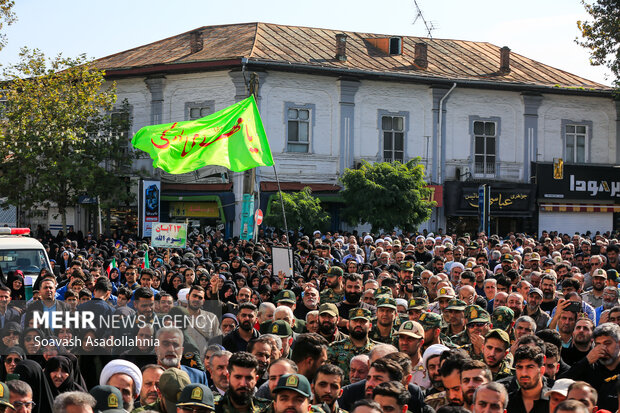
column 572, row 355
column 515, row 402
column 356, row 391
column 601, row 378
column 31, row 372
column 548, row 307
column 234, row 343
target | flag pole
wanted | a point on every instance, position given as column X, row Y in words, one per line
column 290, row 263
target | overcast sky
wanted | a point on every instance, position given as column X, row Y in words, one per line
column 542, row 30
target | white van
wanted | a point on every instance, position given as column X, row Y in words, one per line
column 20, row 252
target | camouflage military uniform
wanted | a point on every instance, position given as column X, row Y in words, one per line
column 325, row 408
column 224, row 405
column 437, row 400
column 447, row 331
column 461, row 339
column 375, row 335
column 330, row 296
column 315, row 408
column 340, row 354
column 504, row 370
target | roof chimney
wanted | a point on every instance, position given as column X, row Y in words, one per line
column 504, row 60
column 421, row 57
column 195, row 41
column 341, row 47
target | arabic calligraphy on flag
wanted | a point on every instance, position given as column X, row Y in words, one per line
column 233, row 137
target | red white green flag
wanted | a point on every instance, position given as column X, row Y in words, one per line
column 233, row 137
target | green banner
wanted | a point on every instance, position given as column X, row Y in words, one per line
column 233, row 137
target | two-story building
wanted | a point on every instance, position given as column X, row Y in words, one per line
column 472, row 111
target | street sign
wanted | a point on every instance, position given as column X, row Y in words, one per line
column 258, row 217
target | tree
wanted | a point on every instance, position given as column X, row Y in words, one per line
column 602, row 35
column 303, row 211
column 6, row 17
column 386, row 195
column 62, row 136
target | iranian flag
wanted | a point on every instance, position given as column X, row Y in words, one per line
column 234, row 138
column 111, row 265
column 145, row 264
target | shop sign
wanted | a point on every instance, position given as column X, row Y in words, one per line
column 600, row 183
column 149, row 205
column 506, row 199
column 194, row 209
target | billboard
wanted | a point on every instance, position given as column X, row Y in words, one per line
column 150, row 192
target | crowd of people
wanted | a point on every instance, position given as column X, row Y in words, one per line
column 363, row 323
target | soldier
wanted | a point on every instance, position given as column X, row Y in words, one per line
column 243, row 369
column 503, row 318
column 334, row 293
column 417, row 306
column 496, row 347
column 431, row 323
column 286, row 396
column 478, row 325
column 327, row 387
column 341, row 352
column 196, row 398
column 383, row 330
column 410, row 341
column 454, row 315
column 328, row 323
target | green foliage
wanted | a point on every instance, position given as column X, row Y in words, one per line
column 6, row 17
column 62, row 135
column 387, row 195
column 602, row 35
column 303, row 211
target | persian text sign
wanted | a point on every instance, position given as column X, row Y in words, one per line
column 169, row 235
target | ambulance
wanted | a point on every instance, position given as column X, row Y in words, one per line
column 18, row 251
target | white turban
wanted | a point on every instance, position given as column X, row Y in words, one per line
column 122, row 367
column 434, row 350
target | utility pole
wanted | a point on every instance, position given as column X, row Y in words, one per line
column 249, row 179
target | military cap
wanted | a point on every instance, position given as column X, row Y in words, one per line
column 386, row 301
column 500, row 335
column 417, row 269
column 335, row 270
column 599, row 272
column 469, row 264
column 281, row 329
column 557, row 259
column 171, row 382
column 328, row 308
column 445, row 292
column 295, row 382
column 535, row 290
column 109, row 399
column 355, row 313
column 4, row 396
column 197, row 395
column 456, row 304
column 473, row 245
column 286, row 296
column 535, row 256
column 475, row 314
column 383, row 291
column 411, row 329
column 418, row 303
column 407, row 266
column 507, row 258
column 502, row 317
column 430, row 320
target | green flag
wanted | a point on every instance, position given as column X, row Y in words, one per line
column 233, row 137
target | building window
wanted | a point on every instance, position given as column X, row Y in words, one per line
column 298, row 137
column 485, row 136
column 120, row 124
column 575, row 143
column 393, row 138
column 199, row 112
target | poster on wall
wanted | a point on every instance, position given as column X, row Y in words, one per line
column 149, row 206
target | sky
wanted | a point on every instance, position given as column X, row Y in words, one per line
column 543, row 30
